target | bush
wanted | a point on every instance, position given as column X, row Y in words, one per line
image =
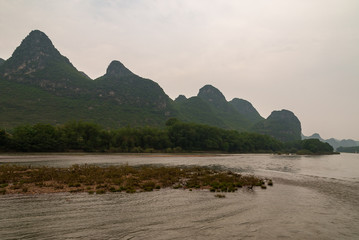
column 100, row 191
column 220, row 196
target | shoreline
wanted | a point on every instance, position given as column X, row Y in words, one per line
column 160, row 154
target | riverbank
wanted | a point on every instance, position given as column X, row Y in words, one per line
column 162, row 154
column 16, row 179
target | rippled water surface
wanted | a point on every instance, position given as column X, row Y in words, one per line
column 313, row 197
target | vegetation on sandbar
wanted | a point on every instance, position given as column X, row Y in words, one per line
column 99, row 180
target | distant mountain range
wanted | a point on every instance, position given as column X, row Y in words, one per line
column 335, row 143
column 38, row 84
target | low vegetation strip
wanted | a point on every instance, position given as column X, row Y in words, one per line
column 15, row 179
column 175, row 137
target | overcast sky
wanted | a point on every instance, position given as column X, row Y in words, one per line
column 300, row 55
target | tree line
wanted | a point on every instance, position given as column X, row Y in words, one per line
column 176, row 136
column 354, row 149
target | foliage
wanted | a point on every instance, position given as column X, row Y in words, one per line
column 348, row 149
column 198, row 137
column 37, row 138
column 82, row 136
column 316, row 146
column 4, row 139
column 309, row 146
column 176, row 137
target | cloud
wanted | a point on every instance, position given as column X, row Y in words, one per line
column 300, row 55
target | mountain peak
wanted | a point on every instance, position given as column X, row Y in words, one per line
column 36, row 44
column 282, row 125
column 36, row 61
column 37, row 35
column 316, row 135
column 117, row 69
column 181, row 98
column 35, row 53
column 283, row 114
column 211, row 94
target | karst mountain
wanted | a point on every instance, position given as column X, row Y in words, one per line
column 38, row 84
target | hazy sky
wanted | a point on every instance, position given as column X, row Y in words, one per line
column 300, row 55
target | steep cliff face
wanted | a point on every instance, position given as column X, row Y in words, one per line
column 282, row 125
column 1, row 61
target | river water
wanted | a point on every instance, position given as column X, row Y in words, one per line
column 313, row 197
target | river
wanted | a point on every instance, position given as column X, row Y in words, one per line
column 313, row 197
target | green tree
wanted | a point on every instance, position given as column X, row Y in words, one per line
column 316, row 146
column 83, row 136
column 37, row 138
column 4, row 140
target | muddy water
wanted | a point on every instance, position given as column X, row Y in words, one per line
column 312, row 198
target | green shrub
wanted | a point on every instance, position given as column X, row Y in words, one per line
column 130, row 190
column 100, row 191
column 220, row 196
column 148, row 186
